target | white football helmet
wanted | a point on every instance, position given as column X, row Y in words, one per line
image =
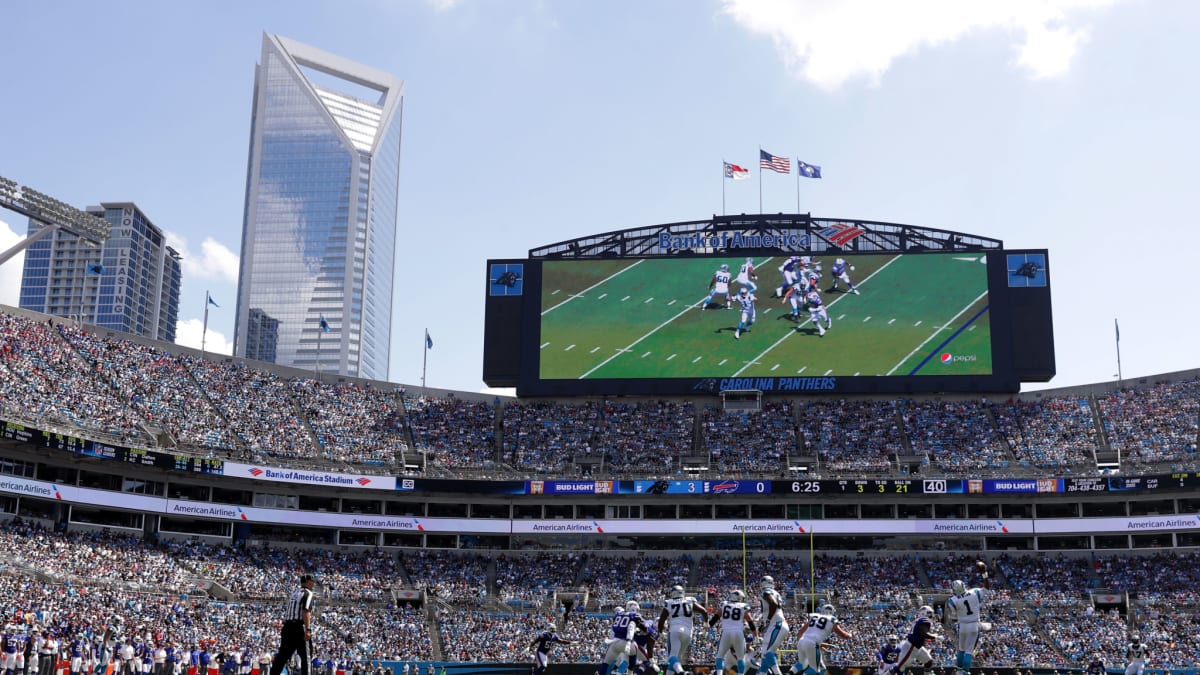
column 1135, row 638
column 893, row 639
column 737, row 595
column 724, row 268
column 828, row 610
column 632, row 606
column 550, row 625
column 767, row 581
column 676, row 592
column 744, row 291
column 926, row 612
column 958, row 587
column 841, row 261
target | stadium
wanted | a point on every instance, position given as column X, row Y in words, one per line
column 163, row 495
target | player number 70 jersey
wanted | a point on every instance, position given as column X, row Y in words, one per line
column 680, row 611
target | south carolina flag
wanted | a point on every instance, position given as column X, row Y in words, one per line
column 735, row 172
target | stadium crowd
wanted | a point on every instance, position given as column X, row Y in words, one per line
column 65, row 375
column 1039, row 604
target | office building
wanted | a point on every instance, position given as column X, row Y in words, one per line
column 319, row 237
column 131, row 283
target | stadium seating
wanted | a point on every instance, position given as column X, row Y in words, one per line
column 121, row 390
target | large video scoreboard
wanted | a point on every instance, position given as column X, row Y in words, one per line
column 961, row 321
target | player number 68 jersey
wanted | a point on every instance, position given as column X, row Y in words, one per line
column 733, row 616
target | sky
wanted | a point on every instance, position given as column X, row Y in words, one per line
column 1059, row 124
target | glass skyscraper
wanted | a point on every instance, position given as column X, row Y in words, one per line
column 131, row 283
column 319, row 234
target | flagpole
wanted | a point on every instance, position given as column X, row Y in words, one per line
column 424, row 356
column 797, row 186
column 317, row 365
column 204, row 332
column 722, row 187
column 760, row 161
column 1120, row 378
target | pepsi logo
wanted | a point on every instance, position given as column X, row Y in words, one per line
column 947, row 358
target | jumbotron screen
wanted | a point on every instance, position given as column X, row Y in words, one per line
column 782, row 324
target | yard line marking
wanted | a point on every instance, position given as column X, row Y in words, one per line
column 935, row 332
column 556, row 291
column 672, row 356
column 916, row 324
column 798, row 325
column 723, row 362
column 774, row 367
column 891, row 322
column 802, row 370
column 544, row 345
column 840, row 316
column 697, row 359
column 645, row 355
column 648, row 300
column 857, row 374
column 599, row 297
column 971, row 328
column 620, row 271
column 672, row 302
column 828, row 372
column 866, row 319
column 569, row 348
column 625, row 298
column 594, row 350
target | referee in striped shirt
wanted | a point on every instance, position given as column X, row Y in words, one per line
column 295, row 636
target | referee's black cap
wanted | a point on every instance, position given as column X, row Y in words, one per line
column 307, row 578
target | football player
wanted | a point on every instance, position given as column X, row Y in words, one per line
column 790, row 271
column 625, row 624
column 821, row 624
column 913, row 651
column 816, row 311
column 746, row 301
column 889, row 654
column 542, row 645
column 718, row 285
column 746, row 276
column 735, row 623
column 678, row 613
column 1136, row 654
column 841, row 271
column 775, row 629
column 963, row 610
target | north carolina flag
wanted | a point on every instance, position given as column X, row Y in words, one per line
column 735, row 172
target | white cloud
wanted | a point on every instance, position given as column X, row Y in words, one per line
column 10, row 272
column 215, row 261
column 442, row 5
column 829, row 43
column 188, row 331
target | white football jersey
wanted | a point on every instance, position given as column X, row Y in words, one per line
column 680, row 611
column 820, row 627
column 733, row 616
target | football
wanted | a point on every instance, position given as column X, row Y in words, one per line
column 981, row 566
column 852, row 268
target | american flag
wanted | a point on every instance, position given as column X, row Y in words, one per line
column 777, row 164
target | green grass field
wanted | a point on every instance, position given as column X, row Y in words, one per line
column 642, row 319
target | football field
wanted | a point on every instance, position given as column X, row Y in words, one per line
column 918, row 314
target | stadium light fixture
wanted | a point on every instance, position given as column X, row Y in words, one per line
column 54, row 213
